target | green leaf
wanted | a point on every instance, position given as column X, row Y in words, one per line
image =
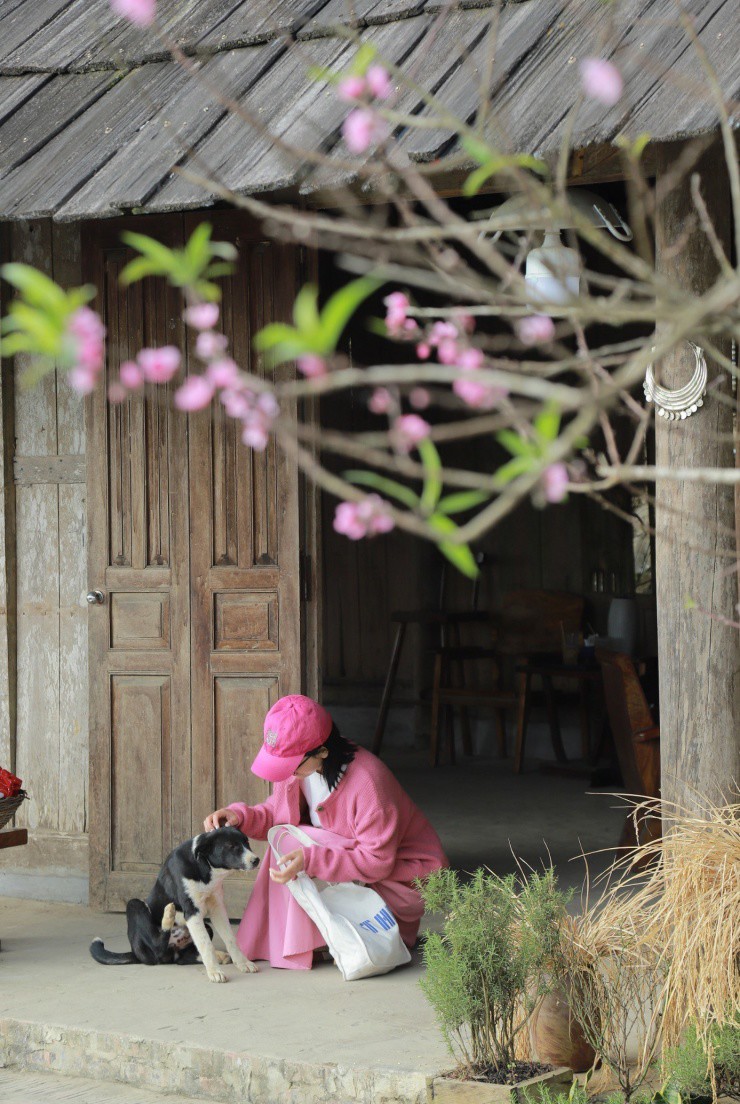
column 432, row 489
column 515, row 443
column 306, row 310
column 460, row 501
column 340, row 308
column 363, row 59
column 520, row 465
column 458, row 554
column 138, row 269
column 149, row 247
column 389, row 487
column 227, row 251
column 197, row 247
column 274, row 334
column 36, row 288
column 547, row 423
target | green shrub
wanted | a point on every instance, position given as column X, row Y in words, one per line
column 492, row 961
column 688, row 1067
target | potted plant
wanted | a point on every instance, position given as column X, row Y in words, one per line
column 486, row 970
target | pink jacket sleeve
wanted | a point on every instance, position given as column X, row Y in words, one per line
column 373, row 856
column 256, row 820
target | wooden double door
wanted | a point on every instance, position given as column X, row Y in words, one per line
column 194, row 548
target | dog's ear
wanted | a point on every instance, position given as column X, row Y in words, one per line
column 201, row 845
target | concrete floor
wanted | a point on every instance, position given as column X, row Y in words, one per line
column 64, row 1012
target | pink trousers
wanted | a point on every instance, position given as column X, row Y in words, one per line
column 275, row 928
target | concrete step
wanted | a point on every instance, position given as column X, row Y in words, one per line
column 20, row 1087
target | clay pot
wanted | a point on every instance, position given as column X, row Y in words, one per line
column 555, row 1036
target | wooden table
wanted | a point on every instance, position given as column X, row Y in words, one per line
column 548, row 668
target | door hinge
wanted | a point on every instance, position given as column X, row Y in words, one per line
column 305, row 569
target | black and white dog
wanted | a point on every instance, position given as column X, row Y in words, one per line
column 188, row 889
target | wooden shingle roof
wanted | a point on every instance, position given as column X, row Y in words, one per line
column 95, row 116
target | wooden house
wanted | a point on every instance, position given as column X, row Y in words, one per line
column 131, row 718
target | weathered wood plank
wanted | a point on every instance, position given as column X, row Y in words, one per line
column 49, row 469
column 35, row 408
column 44, row 183
column 21, row 23
column 236, row 143
column 252, row 23
column 38, row 652
column 16, row 837
column 139, row 166
column 57, row 103
column 14, row 91
column 73, row 615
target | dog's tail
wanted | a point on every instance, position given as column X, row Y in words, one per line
column 111, row 958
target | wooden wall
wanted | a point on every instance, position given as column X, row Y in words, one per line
column 47, row 684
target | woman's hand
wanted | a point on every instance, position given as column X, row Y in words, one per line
column 222, row 818
column 290, row 866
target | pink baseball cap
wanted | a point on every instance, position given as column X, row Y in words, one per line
column 294, row 726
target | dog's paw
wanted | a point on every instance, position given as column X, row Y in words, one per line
column 222, row 957
column 168, row 917
column 216, row 975
column 244, row 966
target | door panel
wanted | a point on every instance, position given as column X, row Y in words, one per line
column 244, row 557
column 193, row 539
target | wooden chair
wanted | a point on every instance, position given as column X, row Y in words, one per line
column 529, row 623
column 636, row 740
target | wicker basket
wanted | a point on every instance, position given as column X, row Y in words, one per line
column 9, row 806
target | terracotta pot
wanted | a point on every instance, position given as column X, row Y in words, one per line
column 555, row 1037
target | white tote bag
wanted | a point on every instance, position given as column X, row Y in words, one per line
column 360, row 930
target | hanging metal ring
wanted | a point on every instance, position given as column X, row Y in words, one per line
column 684, row 401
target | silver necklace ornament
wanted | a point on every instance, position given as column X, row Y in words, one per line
column 684, row 401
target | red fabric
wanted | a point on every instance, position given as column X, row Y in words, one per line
column 387, row 843
column 10, row 786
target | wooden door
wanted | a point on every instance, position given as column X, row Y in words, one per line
column 193, row 545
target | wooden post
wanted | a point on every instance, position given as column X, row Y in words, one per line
column 7, row 543
column 699, row 656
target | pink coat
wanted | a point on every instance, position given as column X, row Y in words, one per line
column 386, row 842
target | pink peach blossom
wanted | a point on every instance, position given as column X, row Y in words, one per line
column 442, row 330
column 470, row 358
column 378, row 82
column 194, row 394
column 201, row 316
column 465, row 321
column 537, row 329
column 477, row 393
column 367, row 518
column 82, row 379
column 256, row 435
column 87, row 332
column 396, row 304
column 267, row 404
column 423, row 350
column 236, row 402
column 555, row 482
column 209, row 344
column 312, row 366
column 448, row 351
column 159, row 365
column 362, row 129
column 419, row 398
column 223, row 372
column 131, row 375
column 351, row 88
column 408, row 430
column 381, row 401
column 601, row 81
column 141, row 12
column 117, row 393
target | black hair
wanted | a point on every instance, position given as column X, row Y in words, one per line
column 341, row 754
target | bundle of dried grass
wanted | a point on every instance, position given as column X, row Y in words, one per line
column 690, row 906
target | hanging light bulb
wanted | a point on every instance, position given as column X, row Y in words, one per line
column 552, row 273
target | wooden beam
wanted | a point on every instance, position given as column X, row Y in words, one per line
column 49, row 469
column 699, row 655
